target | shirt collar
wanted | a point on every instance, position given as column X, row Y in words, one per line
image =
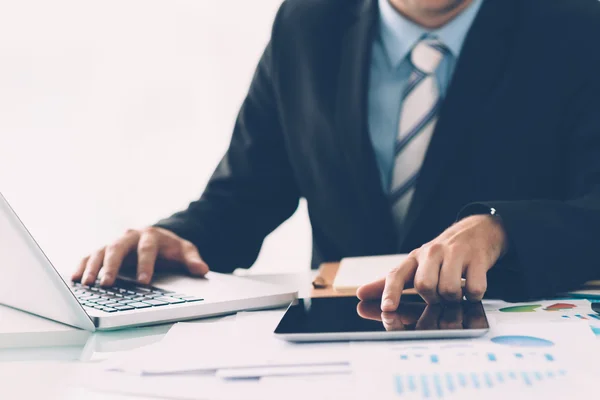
column 399, row 35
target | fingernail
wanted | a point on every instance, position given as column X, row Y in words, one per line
column 387, row 303
column 387, row 319
column 105, row 279
column 143, row 277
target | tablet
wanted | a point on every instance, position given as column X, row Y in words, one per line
column 348, row 318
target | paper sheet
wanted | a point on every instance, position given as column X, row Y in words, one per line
column 357, row 271
column 247, row 342
column 522, row 361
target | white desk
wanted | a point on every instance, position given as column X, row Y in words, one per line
column 48, row 373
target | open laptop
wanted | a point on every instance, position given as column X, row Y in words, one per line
column 29, row 282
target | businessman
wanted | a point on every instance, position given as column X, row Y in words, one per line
column 463, row 132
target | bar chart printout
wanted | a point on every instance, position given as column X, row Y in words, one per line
column 471, row 371
column 440, row 385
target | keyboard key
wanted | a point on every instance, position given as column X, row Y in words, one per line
column 191, row 298
column 111, row 304
column 87, row 297
column 126, row 301
column 139, row 304
column 155, row 302
column 104, row 301
column 123, row 307
column 108, row 309
column 171, row 300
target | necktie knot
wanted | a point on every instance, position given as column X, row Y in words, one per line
column 427, row 55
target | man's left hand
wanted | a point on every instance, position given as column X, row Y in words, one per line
column 467, row 249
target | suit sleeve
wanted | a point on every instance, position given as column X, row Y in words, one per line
column 554, row 244
column 252, row 190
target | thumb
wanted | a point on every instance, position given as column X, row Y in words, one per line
column 192, row 260
column 373, row 290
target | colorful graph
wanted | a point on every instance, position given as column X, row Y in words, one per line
column 560, row 306
column 522, row 341
column 522, row 308
column 440, row 385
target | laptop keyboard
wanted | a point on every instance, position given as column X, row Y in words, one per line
column 126, row 296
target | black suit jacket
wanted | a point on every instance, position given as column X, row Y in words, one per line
column 519, row 131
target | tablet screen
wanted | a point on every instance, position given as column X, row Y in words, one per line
column 350, row 315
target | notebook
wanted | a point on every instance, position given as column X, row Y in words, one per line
column 357, row 271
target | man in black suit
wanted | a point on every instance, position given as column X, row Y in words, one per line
column 492, row 172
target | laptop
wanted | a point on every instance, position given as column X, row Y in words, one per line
column 30, row 283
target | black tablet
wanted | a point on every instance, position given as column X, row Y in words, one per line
column 348, row 318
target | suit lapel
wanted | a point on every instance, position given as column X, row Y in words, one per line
column 477, row 76
column 370, row 206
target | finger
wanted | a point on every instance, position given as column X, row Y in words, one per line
column 76, row 276
column 430, row 320
column 391, row 322
column 147, row 252
column 476, row 281
column 114, row 256
column 452, row 317
column 370, row 291
column 449, row 285
column 92, row 267
column 428, row 274
column 192, row 260
column 395, row 282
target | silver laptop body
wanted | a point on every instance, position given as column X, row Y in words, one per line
column 29, row 282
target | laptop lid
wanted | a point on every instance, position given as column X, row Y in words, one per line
column 29, row 281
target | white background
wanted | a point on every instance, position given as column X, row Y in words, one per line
column 114, row 113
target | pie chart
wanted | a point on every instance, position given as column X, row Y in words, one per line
column 522, row 341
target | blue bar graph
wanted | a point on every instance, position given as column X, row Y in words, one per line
column 462, row 380
column 449, row 382
column 435, row 385
column 438, row 386
column 526, row 379
column 399, row 386
column 425, row 386
column 475, row 380
column 488, row 379
column 411, row 383
column 500, row 377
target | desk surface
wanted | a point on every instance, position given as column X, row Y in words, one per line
column 52, row 370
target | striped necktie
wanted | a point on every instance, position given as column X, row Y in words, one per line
column 417, row 122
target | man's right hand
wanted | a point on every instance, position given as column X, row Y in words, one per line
column 150, row 244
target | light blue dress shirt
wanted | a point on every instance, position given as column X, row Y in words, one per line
column 391, row 68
